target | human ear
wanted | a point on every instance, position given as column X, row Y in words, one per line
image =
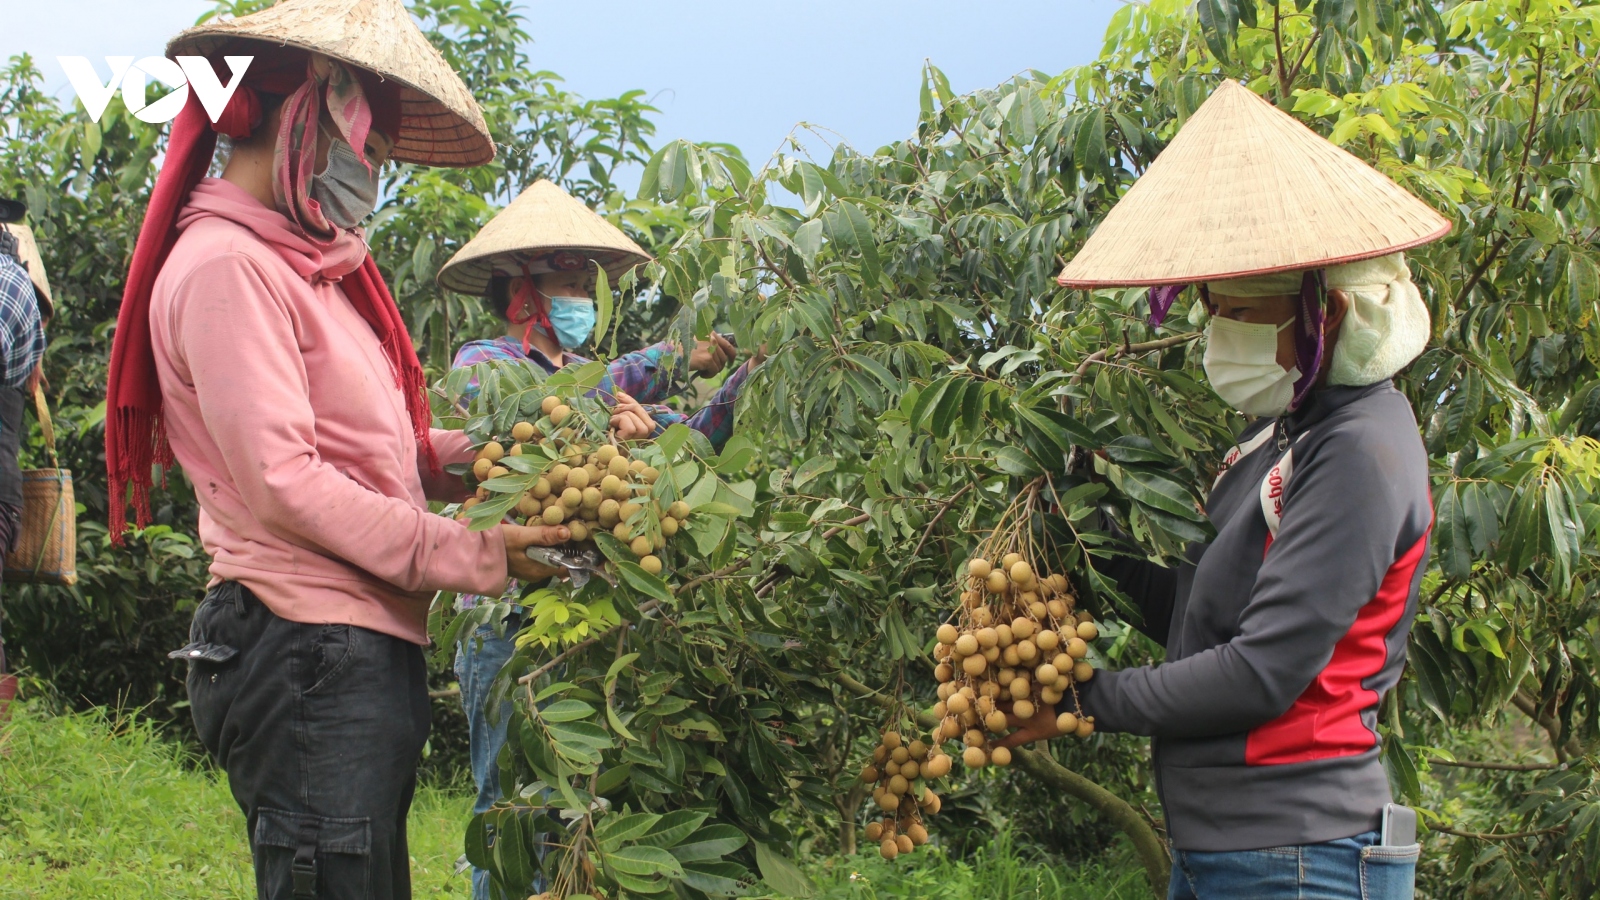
column 1333, row 315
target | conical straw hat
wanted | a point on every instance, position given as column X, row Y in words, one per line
column 440, row 123
column 1245, row 189
column 543, row 220
column 28, row 250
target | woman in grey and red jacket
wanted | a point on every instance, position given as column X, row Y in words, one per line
column 1284, row 631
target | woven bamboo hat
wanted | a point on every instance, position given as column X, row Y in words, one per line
column 547, row 230
column 28, row 251
column 1245, row 189
column 440, row 123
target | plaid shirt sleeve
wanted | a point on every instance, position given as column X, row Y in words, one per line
column 715, row 419
column 645, row 374
column 21, row 334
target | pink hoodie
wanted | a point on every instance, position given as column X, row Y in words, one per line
column 283, row 412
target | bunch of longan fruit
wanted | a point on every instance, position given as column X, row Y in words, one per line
column 592, row 486
column 1016, row 641
column 899, row 773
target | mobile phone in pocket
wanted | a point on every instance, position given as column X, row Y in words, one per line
column 1399, row 826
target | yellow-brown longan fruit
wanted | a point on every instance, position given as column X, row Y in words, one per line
column 483, row 493
column 974, row 665
column 918, row 749
column 987, row 637
column 1046, row 673
column 1050, row 696
column 931, row 802
column 640, row 546
column 522, row 431
column 1088, row 631
column 580, row 531
column 622, row 532
column 560, row 413
column 480, row 469
column 989, row 689
column 650, row 474
column 1063, row 682
column 571, row 498
column 541, row 488
column 943, row 672
column 974, row 758
column 984, row 704
column 591, row 499
column 669, row 526
column 992, row 654
column 973, row 737
column 911, row 769
column 469, row 503
column 578, row 478
column 889, row 849
column 678, row 510
column 995, row 722
column 1062, row 662
column 900, row 754
column 947, row 633
column 548, row 404
column 1047, row 640
column 618, row 466
column 938, row 766
column 1005, row 677
column 946, row 690
column 892, row 739
column 1019, row 687
column 904, row 843
column 1038, row 610
column 608, row 511
column 1056, row 609
column 1085, row 726
column 1082, row 672
column 492, row 451
column 966, row 645
column 969, row 719
column 554, row 514
column 957, row 704
column 880, row 753
column 1022, row 628
column 996, row 583
column 887, row 801
column 1009, row 560
column 1021, row 573
column 605, row 454
column 898, row 784
column 978, row 567
column 627, row 510
column 528, row 506
column 651, row 564
column 557, row 476
column 874, row 831
column 950, row 729
column 1000, row 756
column 1023, row 709
column 981, row 616
column 917, row 834
column 1077, row 648
column 939, row 710
column 1066, row 723
column 1027, row 652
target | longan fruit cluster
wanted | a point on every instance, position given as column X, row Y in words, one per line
column 899, row 773
column 593, row 486
column 1018, row 642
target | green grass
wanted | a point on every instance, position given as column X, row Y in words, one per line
column 99, row 806
column 997, row 871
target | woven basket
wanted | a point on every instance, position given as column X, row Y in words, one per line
column 47, row 545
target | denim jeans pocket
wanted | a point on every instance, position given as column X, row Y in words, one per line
column 332, row 650
column 302, row 855
column 1389, row 873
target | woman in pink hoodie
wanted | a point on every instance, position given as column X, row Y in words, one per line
column 258, row 346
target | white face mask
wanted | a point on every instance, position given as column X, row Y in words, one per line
column 1242, row 363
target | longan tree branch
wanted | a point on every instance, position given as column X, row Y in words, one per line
column 1152, row 852
column 1491, row 836
column 1498, row 767
column 1101, row 355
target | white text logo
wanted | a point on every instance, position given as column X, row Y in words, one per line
column 188, row 72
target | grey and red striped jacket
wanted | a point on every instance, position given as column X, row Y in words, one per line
column 1284, row 631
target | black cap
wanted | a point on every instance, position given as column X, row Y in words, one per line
column 12, row 210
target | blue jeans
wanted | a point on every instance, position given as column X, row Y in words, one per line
column 476, row 667
column 1353, row 868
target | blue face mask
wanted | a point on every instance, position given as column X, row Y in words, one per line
column 573, row 320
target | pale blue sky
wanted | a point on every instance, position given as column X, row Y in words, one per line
column 719, row 70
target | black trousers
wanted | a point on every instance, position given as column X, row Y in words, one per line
column 319, row 728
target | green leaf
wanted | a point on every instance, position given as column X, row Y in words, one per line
column 1160, row 492
column 717, row 878
column 603, row 302
column 813, row 468
column 780, row 873
column 566, row 711
column 615, row 830
column 711, row 842
column 644, row 582
column 615, row 721
column 644, row 861
column 674, row 827
column 1014, row 461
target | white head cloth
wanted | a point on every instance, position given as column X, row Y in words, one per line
column 1386, row 326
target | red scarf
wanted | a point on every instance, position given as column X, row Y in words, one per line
column 136, row 438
